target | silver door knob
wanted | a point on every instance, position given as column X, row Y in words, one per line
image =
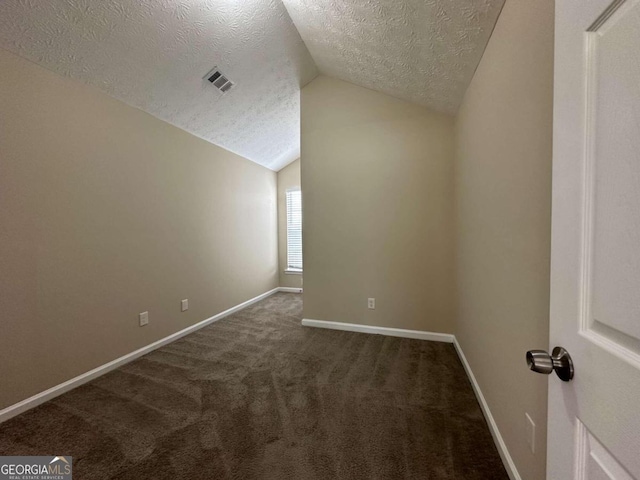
column 559, row 360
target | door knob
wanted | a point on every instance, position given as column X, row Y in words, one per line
column 541, row 362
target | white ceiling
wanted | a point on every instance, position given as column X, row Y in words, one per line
column 152, row 54
column 424, row 51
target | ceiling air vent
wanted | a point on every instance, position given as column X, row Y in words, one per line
column 218, row 80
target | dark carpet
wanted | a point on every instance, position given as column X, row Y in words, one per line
column 258, row 396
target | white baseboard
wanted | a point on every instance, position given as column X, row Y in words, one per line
column 34, row 401
column 509, row 465
column 391, row 332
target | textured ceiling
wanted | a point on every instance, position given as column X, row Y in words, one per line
column 152, row 54
column 424, row 51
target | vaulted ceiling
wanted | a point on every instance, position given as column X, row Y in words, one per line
column 424, row 51
column 153, row 55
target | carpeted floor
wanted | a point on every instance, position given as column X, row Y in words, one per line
column 257, row 396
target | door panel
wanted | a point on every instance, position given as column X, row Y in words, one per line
column 594, row 420
column 594, row 460
column 613, row 118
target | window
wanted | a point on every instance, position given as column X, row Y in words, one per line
column 294, row 230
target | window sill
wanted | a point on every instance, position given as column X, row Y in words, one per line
column 290, row 271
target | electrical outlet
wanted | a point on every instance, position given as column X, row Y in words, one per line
column 371, row 303
column 144, row 318
column 184, row 305
column 531, row 433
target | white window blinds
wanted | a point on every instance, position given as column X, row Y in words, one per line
column 294, row 229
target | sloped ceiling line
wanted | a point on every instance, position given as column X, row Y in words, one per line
column 423, row 51
column 153, row 55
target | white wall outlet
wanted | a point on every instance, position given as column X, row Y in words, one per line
column 531, row 433
column 144, row 318
column 184, row 305
column 371, row 303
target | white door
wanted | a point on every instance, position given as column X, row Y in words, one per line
column 594, row 420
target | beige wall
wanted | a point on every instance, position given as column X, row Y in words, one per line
column 107, row 212
column 377, row 183
column 503, row 205
column 288, row 177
